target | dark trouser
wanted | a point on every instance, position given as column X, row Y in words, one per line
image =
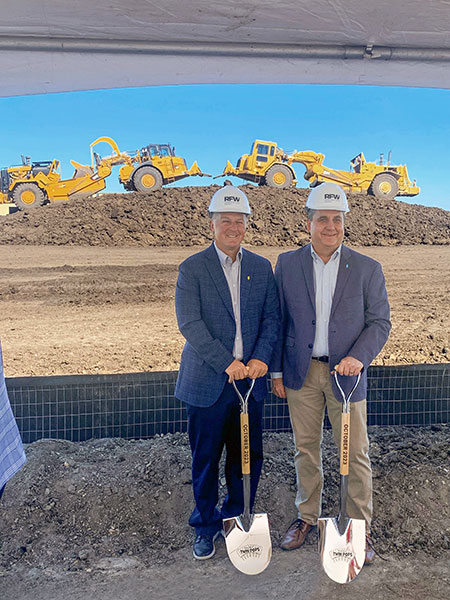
column 1, row 491
column 210, row 429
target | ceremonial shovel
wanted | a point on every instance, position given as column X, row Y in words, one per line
column 247, row 537
column 342, row 540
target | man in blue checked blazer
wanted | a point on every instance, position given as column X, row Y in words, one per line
column 12, row 455
column 228, row 311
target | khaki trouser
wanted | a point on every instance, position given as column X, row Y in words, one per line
column 306, row 409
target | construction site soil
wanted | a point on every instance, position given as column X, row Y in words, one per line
column 88, row 287
column 178, row 217
column 84, row 516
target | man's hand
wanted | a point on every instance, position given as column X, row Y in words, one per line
column 237, row 370
column 278, row 387
column 256, row 368
column 349, row 366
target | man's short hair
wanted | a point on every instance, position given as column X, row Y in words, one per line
column 310, row 213
column 213, row 216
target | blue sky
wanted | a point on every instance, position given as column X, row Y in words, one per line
column 216, row 123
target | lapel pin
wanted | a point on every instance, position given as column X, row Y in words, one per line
column 346, row 266
column 248, row 277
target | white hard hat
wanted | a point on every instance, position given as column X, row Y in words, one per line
column 229, row 199
column 327, row 196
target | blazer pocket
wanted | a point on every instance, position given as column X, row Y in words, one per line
column 290, row 341
column 351, row 304
column 190, row 355
column 354, row 299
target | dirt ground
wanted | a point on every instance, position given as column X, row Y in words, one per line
column 88, row 287
column 111, row 310
column 108, row 517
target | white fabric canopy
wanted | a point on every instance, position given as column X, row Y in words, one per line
column 62, row 45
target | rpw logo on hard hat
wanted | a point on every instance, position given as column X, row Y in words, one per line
column 332, row 196
column 231, row 199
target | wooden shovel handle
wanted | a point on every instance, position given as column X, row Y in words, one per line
column 245, row 444
column 345, row 443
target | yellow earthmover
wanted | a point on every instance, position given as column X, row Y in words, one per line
column 33, row 184
column 153, row 166
column 267, row 164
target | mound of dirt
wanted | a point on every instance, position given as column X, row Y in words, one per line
column 77, row 505
column 178, row 217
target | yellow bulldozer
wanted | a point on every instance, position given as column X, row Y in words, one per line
column 33, row 184
column 267, row 164
column 153, row 166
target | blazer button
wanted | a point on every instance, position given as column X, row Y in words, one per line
column 313, row 322
column 310, row 345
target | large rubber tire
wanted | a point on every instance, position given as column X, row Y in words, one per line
column 384, row 186
column 147, row 179
column 279, row 176
column 28, row 195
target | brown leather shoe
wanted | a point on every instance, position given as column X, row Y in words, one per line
column 370, row 552
column 295, row 535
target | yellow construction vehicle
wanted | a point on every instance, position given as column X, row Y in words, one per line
column 153, row 166
column 33, row 184
column 267, row 164
column 379, row 180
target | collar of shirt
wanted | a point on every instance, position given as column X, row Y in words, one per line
column 226, row 260
column 334, row 256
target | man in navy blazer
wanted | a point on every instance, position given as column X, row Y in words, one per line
column 227, row 309
column 335, row 312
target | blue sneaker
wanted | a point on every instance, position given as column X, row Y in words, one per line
column 204, row 546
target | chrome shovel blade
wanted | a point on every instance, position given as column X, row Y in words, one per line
column 249, row 551
column 343, row 554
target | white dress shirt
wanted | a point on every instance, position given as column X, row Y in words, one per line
column 325, row 276
column 232, row 271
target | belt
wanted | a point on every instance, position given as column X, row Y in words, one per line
column 320, row 358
